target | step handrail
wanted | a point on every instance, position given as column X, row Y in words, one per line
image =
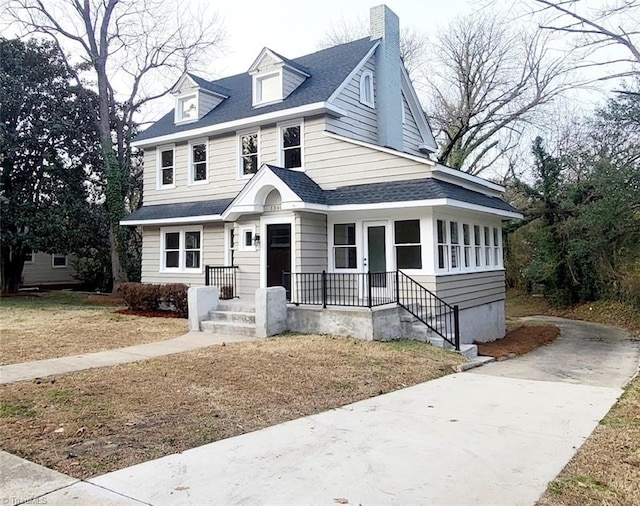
column 439, row 316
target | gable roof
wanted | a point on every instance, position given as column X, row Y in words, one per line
column 176, row 212
column 281, row 59
column 328, row 69
column 210, row 86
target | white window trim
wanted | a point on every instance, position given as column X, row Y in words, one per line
column 258, row 131
column 483, row 267
column 257, row 78
column 159, row 150
column 178, row 119
column 369, row 103
column 66, row 261
column 33, row 259
column 280, row 127
column 181, row 258
column 191, row 175
column 242, row 230
column 421, row 243
column 332, row 246
column 227, row 243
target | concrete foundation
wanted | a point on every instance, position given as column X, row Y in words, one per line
column 201, row 300
column 482, row 323
column 379, row 324
column 271, row 311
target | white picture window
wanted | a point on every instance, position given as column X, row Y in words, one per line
column 407, row 242
column 344, row 246
column 187, row 108
column 198, row 156
column 366, row 89
column 166, row 167
column 247, row 238
column 248, row 150
column 182, row 249
column 291, row 146
column 267, row 88
column 58, row 260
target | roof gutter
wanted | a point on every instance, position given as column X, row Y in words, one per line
column 231, row 126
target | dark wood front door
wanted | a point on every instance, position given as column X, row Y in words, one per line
column 279, row 255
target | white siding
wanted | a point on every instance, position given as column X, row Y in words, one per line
column 332, row 162
column 361, row 120
column 311, row 242
column 212, row 254
column 41, row 272
column 248, row 262
column 411, row 137
column 290, row 81
column 269, row 145
column 206, row 102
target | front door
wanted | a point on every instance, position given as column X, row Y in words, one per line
column 375, row 259
column 279, row 256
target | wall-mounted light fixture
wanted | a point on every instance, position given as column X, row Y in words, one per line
column 256, row 240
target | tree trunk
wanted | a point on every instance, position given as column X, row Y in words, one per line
column 11, row 266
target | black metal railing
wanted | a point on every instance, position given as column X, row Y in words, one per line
column 372, row 289
column 224, row 277
column 440, row 316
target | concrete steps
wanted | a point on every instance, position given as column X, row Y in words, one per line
column 418, row 331
column 232, row 317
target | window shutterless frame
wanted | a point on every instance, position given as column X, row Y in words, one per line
column 291, row 144
column 166, row 168
column 199, row 161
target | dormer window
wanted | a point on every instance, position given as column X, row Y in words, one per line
column 187, row 108
column 267, row 88
column 366, row 89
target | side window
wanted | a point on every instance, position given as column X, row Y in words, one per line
column 443, row 245
column 58, row 260
column 198, row 154
column 344, row 246
column 487, row 246
column 366, row 89
column 466, row 239
column 248, row 153
column 166, row 167
column 407, row 242
column 477, row 245
column 291, row 139
column 455, row 245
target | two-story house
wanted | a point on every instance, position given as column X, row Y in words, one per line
column 319, row 164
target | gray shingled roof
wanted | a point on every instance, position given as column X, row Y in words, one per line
column 328, row 69
column 179, row 210
column 210, row 86
column 309, row 191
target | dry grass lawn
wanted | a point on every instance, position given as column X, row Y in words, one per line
column 92, row 422
column 606, row 469
column 58, row 324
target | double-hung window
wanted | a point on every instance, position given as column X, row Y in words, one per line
column 466, row 239
column 291, row 146
column 248, row 153
column 407, row 242
column 198, row 162
column 344, row 246
column 166, row 167
column 182, row 249
column 477, row 245
column 443, row 245
column 487, row 246
column 455, row 245
column 496, row 247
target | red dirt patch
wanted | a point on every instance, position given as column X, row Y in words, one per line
column 519, row 341
column 105, row 300
column 154, row 314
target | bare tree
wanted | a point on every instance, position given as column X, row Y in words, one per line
column 487, row 81
column 136, row 45
column 413, row 43
column 613, row 24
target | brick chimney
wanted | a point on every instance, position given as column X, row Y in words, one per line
column 386, row 27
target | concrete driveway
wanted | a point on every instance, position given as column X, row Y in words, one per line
column 492, row 437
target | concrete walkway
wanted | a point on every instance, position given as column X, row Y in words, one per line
column 491, row 437
column 43, row 368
